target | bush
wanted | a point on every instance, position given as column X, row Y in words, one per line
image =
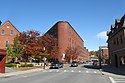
column 21, row 65
column 10, row 65
column 26, row 65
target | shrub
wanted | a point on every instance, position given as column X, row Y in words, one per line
column 26, row 65
column 10, row 65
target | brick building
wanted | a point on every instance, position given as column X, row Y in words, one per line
column 104, row 53
column 116, row 43
column 7, row 34
column 68, row 37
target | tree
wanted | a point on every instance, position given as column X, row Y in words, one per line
column 72, row 54
column 94, row 53
column 30, row 43
column 15, row 50
column 50, row 43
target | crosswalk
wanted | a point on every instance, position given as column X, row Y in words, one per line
column 73, row 71
column 117, row 80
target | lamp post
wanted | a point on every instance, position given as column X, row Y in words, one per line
column 44, row 58
column 100, row 57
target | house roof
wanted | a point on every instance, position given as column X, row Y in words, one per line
column 11, row 24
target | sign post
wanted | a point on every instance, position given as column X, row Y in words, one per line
column 44, row 60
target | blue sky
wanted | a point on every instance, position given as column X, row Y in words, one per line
column 90, row 18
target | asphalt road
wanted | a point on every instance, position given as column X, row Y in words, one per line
column 79, row 74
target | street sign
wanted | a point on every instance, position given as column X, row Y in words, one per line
column 44, row 59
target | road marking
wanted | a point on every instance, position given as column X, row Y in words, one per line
column 79, row 71
column 64, row 70
column 95, row 72
column 25, row 76
column 50, row 70
column 112, row 80
column 87, row 71
column 120, row 80
column 57, row 71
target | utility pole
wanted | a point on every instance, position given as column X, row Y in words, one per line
column 44, row 58
column 100, row 57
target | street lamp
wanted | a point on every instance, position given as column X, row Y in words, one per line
column 44, row 58
column 100, row 57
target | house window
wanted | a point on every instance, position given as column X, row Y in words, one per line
column 7, row 43
column 3, row 32
column 11, row 32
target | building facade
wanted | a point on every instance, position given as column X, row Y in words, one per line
column 7, row 34
column 68, row 37
column 103, row 53
column 116, row 43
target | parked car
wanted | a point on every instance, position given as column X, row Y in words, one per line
column 61, row 64
column 94, row 62
column 56, row 65
column 74, row 64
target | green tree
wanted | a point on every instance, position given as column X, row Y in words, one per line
column 15, row 50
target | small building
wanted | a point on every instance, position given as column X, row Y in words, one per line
column 116, row 43
column 68, row 37
column 103, row 53
column 7, row 34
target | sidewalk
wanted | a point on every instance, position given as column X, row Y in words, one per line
column 112, row 71
column 20, row 71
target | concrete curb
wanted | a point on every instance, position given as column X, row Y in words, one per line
column 5, row 75
column 19, row 72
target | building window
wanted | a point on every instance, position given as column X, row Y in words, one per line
column 7, row 43
column 3, row 32
column 11, row 32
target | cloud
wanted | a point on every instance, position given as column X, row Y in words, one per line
column 102, row 35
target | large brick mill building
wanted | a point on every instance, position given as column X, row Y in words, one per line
column 116, row 43
column 7, row 34
column 68, row 37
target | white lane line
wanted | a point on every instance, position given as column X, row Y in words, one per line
column 112, row 80
column 64, row 70
column 50, row 70
column 95, row 72
column 57, row 71
column 87, row 71
column 121, row 81
column 72, row 71
column 79, row 71
column 25, row 76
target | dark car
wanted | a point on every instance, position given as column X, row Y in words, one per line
column 56, row 65
column 61, row 64
column 74, row 64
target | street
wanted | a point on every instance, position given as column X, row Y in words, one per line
column 78, row 74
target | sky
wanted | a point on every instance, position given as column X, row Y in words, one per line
column 90, row 18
